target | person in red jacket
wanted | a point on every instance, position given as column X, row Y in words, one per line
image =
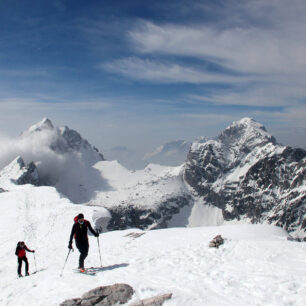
column 79, row 232
column 21, row 254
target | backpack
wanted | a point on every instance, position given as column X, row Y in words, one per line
column 75, row 219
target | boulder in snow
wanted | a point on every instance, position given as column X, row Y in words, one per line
column 216, row 242
column 103, row 296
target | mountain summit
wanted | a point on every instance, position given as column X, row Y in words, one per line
column 246, row 175
column 246, row 134
column 64, row 140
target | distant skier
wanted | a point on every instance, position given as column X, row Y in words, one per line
column 79, row 232
column 21, row 254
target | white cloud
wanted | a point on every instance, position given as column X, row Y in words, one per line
column 262, row 40
column 263, row 95
column 157, row 71
column 250, row 50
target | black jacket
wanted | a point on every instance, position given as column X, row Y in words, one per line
column 79, row 231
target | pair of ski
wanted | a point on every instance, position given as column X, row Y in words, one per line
column 88, row 271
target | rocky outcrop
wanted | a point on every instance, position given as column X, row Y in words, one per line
column 129, row 216
column 103, row 296
column 19, row 173
column 246, row 174
column 76, row 143
column 216, row 242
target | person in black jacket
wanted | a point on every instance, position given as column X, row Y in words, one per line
column 21, row 254
column 79, row 232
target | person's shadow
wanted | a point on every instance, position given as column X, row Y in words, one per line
column 107, row 268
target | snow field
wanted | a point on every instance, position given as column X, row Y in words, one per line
column 257, row 265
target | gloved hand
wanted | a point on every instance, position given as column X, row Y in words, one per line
column 97, row 235
column 33, row 251
column 70, row 245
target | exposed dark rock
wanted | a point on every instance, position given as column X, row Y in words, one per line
column 29, row 176
column 103, row 296
column 216, row 242
column 20, row 173
column 75, row 142
column 129, row 216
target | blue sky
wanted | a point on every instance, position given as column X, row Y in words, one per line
column 140, row 73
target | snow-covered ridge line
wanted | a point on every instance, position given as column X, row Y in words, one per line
column 241, row 175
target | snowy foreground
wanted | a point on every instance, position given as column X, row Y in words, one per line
column 257, row 265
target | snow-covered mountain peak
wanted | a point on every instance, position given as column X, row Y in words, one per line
column 246, row 133
column 62, row 157
column 62, row 140
column 44, row 124
column 19, row 173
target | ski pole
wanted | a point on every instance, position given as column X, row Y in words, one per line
column 65, row 263
column 35, row 263
column 99, row 251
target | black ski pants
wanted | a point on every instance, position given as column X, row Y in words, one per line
column 20, row 259
column 83, row 247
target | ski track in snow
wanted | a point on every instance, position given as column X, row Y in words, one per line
column 255, row 266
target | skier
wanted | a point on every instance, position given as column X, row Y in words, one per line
column 21, row 254
column 79, row 232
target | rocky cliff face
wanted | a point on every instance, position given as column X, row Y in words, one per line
column 129, row 216
column 246, row 174
column 19, row 173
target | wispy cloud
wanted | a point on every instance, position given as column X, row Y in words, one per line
column 262, row 43
column 263, row 94
column 160, row 72
column 276, row 48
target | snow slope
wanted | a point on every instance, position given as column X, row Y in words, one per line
column 143, row 188
column 257, row 265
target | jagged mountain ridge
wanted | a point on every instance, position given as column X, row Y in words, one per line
column 247, row 175
column 241, row 175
